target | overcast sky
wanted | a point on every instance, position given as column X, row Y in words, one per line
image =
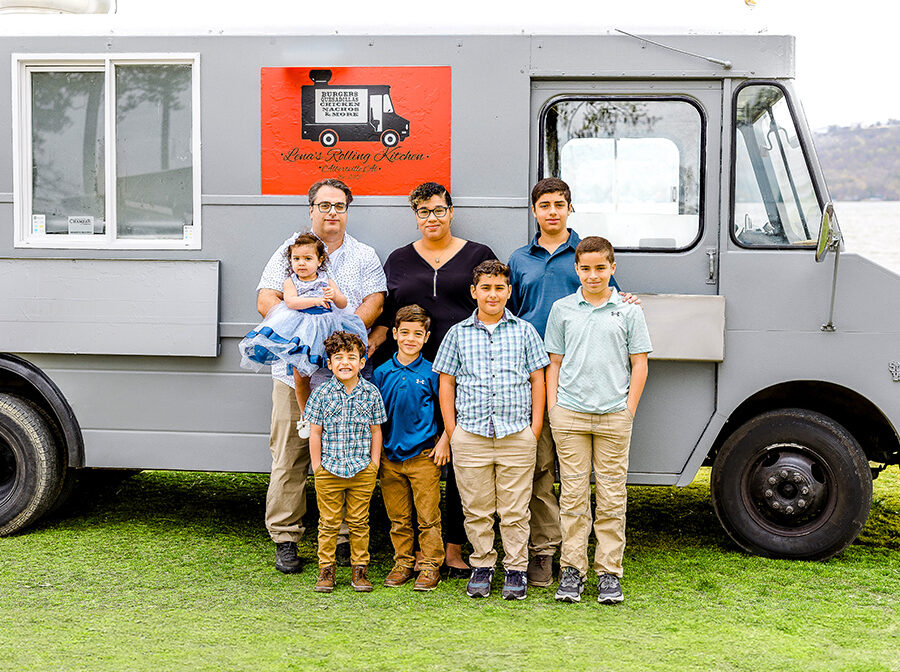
column 845, row 49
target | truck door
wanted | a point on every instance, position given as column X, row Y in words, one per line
column 642, row 160
column 376, row 112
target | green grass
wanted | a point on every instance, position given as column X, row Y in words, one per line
column 173, row 571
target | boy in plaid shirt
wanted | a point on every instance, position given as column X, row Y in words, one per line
column 492, row 399
column 345, row 415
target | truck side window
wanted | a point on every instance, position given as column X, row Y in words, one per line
column 106, row 155
column 775, row 203
column 634, row 167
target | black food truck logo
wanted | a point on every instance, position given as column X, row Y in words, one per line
column 360, row 113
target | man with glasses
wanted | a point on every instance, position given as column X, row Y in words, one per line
column 357, row 271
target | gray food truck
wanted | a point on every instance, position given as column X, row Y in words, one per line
column 141, row 193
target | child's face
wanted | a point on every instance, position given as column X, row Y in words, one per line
column 304, row 260
column 346, row 364
column 594, row 269
column 551, row 212
column 410, row 337
column 492, row 292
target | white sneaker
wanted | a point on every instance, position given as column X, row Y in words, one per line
column 303, row 429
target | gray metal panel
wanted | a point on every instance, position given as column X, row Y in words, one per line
column 620, row 56
column 677, row 397
column 109, row 306
column 177, row 450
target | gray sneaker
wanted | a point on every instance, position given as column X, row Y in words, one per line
column 540, row 571
column 286, row 560
column 515, row 587
column 479, row 584
column 571, row 585
column 608, row 589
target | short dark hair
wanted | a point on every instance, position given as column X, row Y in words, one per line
column 413, row 313
column 549, row 185
column 309, row 238
column 490, row 267
column 425, row 191
column 329, row 182
column 344, row 341
column 595, row 244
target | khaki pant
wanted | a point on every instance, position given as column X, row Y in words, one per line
column 414, row 482
column 286, row 497
column 495, row 477
column 332, row 494
column 545, row 532
column 583, row 441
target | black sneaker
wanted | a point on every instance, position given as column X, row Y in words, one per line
column 571, row 585
column 608, row 590
column 515, row 587
column 286, row 559
column 479, row 584
column 342, row 554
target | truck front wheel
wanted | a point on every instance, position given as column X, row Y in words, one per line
column 390, row 138
column 792, row 483
column 30, row 469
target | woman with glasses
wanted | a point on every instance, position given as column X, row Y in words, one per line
column 434, row 272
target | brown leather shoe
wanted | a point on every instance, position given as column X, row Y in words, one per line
column 428, row 579
column 325, row 583
column 360, row 580
column 398, row 576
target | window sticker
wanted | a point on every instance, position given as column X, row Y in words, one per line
column 39, row 224
column 81, row 224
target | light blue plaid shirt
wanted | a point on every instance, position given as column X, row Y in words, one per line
column 493, row 391
column 345, row 420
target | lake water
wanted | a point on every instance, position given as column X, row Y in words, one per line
column 871, row 229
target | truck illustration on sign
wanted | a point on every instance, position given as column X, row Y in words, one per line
column 357, row 113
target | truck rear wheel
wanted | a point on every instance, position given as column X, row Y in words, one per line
column 390, row 138
column 30, row 473
column 792, row 483
column 328, row 138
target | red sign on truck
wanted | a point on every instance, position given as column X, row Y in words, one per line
column 382, row 130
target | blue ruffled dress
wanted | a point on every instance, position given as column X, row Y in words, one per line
column 298, row 336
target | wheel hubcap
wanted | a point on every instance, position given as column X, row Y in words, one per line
column 788, row 488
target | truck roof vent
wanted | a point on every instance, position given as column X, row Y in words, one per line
column 320, row 76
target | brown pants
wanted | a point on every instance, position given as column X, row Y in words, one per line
column 286, row 497
column 545, row 531
column 583, row 441
column 495, row 477
column 416, row 481
column 332, row 494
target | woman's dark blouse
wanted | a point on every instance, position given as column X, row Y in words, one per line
column 444, row 293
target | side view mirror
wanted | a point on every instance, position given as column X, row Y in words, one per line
column 829, row 233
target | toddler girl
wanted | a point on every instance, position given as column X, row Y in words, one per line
column 295, row 330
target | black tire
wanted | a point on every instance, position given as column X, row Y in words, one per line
column 328, row 138
column 390, row 138
column 793, row 484
column 30, row 467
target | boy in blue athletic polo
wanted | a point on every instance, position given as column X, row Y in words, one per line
column 411, row 466
column 492, row 401
column 345, row 415
column 598, row 348
column 540, row 273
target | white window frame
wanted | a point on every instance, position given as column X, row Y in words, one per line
column 22, row 66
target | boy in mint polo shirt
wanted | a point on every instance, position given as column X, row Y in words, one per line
column 598, row 347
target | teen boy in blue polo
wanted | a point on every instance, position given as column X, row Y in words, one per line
column 411, row 466
column 540, row 273
column 492, row 398
column 345, row 415
column 598, row 349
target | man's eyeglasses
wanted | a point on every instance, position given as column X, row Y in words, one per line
column 425, row 213
column 325, row 206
